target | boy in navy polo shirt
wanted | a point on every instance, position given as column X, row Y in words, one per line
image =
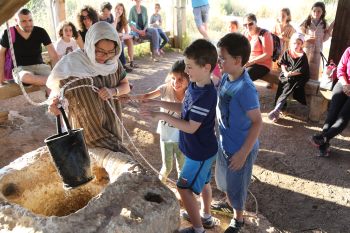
column 197, row 138
column 240, row 123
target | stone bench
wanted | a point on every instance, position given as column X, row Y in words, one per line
column 316, row 99
column 12, row 89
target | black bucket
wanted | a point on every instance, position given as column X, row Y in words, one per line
column 70, row 155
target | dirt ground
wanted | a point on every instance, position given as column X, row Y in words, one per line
column 296, row 191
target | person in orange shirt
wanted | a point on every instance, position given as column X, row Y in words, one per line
column 260, row 60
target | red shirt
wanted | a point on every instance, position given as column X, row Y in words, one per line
column 258, row 48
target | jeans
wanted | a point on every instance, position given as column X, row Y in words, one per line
column 122, row 56
column 164, row 37
column 234, row 183
column 338, row 113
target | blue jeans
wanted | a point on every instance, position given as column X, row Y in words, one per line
column 164, row 37
column 234, row 183
column 152, row 35
column 122, row 56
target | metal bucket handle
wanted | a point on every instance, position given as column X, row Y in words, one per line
column 58, row 122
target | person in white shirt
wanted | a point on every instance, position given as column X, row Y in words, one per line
column 67, row 42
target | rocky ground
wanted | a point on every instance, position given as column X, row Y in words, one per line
column 295, row 190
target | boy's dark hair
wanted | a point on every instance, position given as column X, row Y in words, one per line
column 106, row 5
column 251, row 17
column 236, row 45
column 157, row 4
column 202, row 52
column 64, row 24
column 24, row 11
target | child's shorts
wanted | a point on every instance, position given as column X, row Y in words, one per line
column 195, row 174
column 201, row 15
column 234, row 183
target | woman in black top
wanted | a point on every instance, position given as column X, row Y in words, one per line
column 86, row 18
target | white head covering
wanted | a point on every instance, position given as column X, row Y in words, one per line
column 298, row 36
column 82, row 63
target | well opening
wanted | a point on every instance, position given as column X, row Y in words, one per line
column 47, row 197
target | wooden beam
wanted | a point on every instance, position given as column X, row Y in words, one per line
column 9, row 7
column 12, row 89
column 341, row 32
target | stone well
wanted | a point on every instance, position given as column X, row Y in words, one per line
column 121, row 198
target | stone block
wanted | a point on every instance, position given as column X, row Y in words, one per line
column 122, row 198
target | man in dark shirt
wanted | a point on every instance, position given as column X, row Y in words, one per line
column 27, row 47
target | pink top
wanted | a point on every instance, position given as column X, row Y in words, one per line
column 257, row 48
column 344, row 66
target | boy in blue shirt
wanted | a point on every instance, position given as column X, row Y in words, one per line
column 239, row 119
column 197, row 138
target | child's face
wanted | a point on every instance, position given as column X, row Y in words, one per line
column 196, row 72
column 233, row 27
column 156, row 9
column 119, row 10
column 67, row 32
column 296, row 45
column 316, row 13
column 178, row 82
column 106, row 13
column 227, row 63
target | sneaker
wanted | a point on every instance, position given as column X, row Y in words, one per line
column 127, row 69
column 189, row 230
column 207, row 223
column 221, row 207
column 133, row 65
column 318, row 140
column 324, row 150
column 234, row 227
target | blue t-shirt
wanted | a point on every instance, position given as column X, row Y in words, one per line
column 199, row 105
column 199, row 3
column 236, row 98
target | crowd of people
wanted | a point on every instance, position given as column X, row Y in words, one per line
column 190, row 99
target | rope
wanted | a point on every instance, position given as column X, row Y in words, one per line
column 16, row 70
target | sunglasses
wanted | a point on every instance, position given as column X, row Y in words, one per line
column 248, row 24
column 85, row 17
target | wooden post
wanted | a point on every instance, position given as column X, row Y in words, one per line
column 60, row 10
column 180, row 15
column 341, row 32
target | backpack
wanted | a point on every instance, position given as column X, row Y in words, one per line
column 8, row 65
column 277, row 50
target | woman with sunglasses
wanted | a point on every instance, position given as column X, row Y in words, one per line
column 260, row 60
column 86, row 17
column 88, row 109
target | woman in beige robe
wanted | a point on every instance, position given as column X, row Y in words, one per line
column 86, row 108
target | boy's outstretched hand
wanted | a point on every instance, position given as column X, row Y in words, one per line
column 237, row 161
column 148, row 113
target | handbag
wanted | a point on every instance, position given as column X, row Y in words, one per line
column 329, row 74
column 8, row 65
